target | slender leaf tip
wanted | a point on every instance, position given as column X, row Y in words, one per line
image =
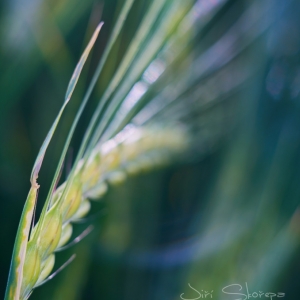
column 70, row 89
column 81, row 63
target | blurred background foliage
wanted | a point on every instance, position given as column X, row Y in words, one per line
column 227, row 215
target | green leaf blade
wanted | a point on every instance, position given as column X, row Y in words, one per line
column 16, row 268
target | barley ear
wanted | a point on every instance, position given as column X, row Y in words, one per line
column 17, row 280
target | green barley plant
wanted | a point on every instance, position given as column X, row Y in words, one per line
column 33, row 257
column 175, row 95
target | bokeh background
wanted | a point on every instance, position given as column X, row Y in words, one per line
column 228, row 215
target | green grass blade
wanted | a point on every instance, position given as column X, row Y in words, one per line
column 81, row 63
column 70, row 90
column 69, row 93
column 19, row 252
column 115, row 34
column 16, row 268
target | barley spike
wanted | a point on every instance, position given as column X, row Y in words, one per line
column 110, row 162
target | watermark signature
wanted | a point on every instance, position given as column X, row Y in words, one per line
column 237, row 292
